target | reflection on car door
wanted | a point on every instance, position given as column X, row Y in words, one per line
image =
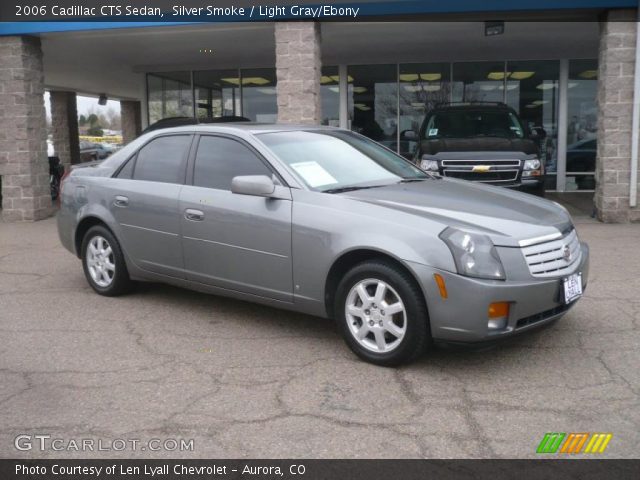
column 237, row 242
column 144, row 201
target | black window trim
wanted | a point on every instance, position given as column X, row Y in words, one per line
column 134, row 157
column 191, row 165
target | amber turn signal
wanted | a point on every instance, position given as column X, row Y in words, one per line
column 499, row 309
column 441, row 285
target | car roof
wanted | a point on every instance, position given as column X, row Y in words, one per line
column 246, row 127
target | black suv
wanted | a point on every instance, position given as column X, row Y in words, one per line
column 481, row 142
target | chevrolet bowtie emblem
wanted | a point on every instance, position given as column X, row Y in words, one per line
column 481, row 168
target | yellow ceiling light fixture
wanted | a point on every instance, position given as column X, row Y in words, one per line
column 359, row 89
column 324, row 79
column 267, row 91
column 546, row 86
column 255, row 81
column 521, row 75
column 234, row 81
column 412, row 88
column 430, row 77
column 498, row 75
column 540, row 102
column 409, row 77
column 588, row 74
column 362, row 107
column 248, row 81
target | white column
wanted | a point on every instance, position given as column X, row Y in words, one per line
column 563, row 83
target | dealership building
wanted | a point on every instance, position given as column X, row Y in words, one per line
column 568, row 67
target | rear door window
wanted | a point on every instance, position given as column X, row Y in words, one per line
column 163, row 159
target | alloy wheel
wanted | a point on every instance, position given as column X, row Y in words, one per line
column 376, row 315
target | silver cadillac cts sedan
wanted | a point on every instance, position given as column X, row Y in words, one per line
column 329, row 223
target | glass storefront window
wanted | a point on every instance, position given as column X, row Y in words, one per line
column 170, row 95
column 582, row 91
column 478, row 82
column 373, row 102
column 422, row 87
column 532, row 91
column 330, row 96
column 259, row 96
column 217, row 93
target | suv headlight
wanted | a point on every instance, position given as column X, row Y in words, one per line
column 532, row 167
column 474, row 254
column 429, row 165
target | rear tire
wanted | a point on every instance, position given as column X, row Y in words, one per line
column 103, row 263
column 382, row 314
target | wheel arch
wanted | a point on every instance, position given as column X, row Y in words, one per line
column 347, row 260
column 83, row 227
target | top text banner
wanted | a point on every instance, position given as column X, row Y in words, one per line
column 172, row 11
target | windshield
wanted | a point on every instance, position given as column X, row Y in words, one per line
column 472, row 124
column 333, row 160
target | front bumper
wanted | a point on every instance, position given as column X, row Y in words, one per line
column 463, row 316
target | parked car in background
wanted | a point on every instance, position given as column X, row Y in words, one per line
column 481, row 142
column 325, row 222
column 181, row 121
column 104, row 150
column 88, row 152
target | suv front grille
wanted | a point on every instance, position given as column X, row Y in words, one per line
column 499, row 170
column 550, row 259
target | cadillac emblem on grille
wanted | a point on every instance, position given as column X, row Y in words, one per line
column 566, row 253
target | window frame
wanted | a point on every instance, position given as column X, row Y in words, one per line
column 191, row 165
column 134, row 158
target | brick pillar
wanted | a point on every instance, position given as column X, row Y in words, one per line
column 64, row 126
column 23, row 148
column 298, row 67
column 131, row 120
column 615, row 103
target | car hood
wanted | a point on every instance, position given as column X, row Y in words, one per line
column 480, row 144
column 506, row 216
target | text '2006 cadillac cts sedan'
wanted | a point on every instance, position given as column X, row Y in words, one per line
column 325, row 222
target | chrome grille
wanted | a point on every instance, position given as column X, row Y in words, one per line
column 549, row 259
column 471, row 163
column 499, row 171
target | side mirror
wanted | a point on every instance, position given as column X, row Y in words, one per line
column 408, row 135
column 256, row 185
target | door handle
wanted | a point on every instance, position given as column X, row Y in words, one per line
column 194, row 215
column 121, row 201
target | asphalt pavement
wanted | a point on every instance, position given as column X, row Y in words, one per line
column 247, row 381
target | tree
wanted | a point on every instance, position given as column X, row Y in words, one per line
column 82, row 121
column 93, row 119
column 95, row 131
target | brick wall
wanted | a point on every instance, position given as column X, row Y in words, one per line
column 23, row 149
column 64, row 127
column 615, row 104
column 298, row 69
column 131, row 120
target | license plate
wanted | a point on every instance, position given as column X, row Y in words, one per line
column 572, row 287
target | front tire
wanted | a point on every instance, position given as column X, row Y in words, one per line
column 382, row 314
column 103, row 263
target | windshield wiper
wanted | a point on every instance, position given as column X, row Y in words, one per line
column 351, row 188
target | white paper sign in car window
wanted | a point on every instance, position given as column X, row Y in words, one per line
column 433, row 132
column 313, row 174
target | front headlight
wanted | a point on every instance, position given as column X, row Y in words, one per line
column 429, row 165
column 474, row 254
column 532, row 168
column 532, row 164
